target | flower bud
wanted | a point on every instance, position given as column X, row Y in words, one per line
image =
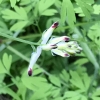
column 48, row 47
column 55, row 40
column 60, row 52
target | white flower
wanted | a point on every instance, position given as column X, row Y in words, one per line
column 63, row 48
column 35, row 55
column 55, row 40
column 48, row 47
column 59, row 52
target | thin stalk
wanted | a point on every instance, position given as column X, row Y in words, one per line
column 19, row 40
column 39, row 29
column 23, row 37
column 8, row 42
column 18, row 53
column 77, row 24
column 91, row 57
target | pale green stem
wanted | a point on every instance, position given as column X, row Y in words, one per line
column 91, row 57
column 3, row 45
column 17, row 39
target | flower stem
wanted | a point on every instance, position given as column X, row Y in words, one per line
column 91, row 57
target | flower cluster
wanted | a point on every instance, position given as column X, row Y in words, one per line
column 62, row 46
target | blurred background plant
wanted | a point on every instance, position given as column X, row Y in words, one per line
column 22, row 23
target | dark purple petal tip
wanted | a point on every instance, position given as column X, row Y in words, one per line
column 67, row 55
column 55, row 25
column 66, row 39
column 30, row 72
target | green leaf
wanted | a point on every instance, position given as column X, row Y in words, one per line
column 19, row 25
column 76, row 80
column 69, row 10
column 97, row 92
column 84, row 98
column 96, row 8
column 64, row 75
column 55, row 92
column 1, row 1
column 3, row 25
column 6, row 90
column 2, row 68
column 70, row 13
column 86, row 8
column 86, row 81
column 7, row 60
column 34, row 82
column 19, row 14
column 58, row 98
column 81, row 61
column 37, row 70
column 94, row 33
column 55, row 80
column 49, row 12
column 26, row 2
column 70, row 94
column 95, row 98
column 76, row 97
column 45, row 4
column 63, row 12
column 38, row 95
column 13, row 2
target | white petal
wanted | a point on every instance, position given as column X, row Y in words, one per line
column 48, row 47
column 55, row 40
column 60, row 53
column 34, row 57
column 48, row 33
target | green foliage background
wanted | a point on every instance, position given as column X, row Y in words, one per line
column 22, row 23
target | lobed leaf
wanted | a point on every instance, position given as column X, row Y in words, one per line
column 45, row 4
column 49, row 12
column 55, row 80
column 19, row 25
column 7, row 61
column 13, row 2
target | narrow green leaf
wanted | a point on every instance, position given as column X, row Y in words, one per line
column 13, row 2
column 18, row 26
column 87, row 9
column 58, row 98
column 97, row 92
column 7, row 61
column 34, row 82
column 56, row 92
column 63, row 12
column 38, row 95
column 96, row 98
column 49, row 12
column 1, row 1
column 70, row 94
column 86, row 80
column 55, row 80
column 2, row 68
column 84, row 98
column 21, row 12
column 70, row 13
column 45, row 4
column 64, row 75
column 9, row 14
column 7, row 90
column 76, row 80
